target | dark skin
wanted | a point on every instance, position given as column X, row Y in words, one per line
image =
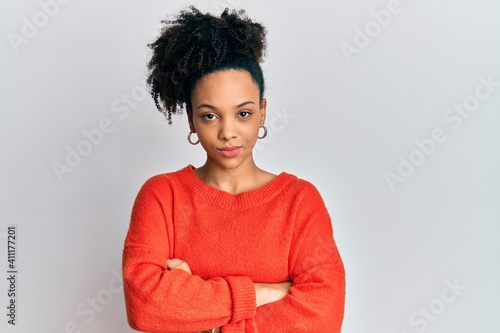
column 227, row 112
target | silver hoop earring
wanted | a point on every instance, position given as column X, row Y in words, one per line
column 265, row 132
column 191, row 141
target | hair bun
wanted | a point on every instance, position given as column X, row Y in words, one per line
column 195, row 43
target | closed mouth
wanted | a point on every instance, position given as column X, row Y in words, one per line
column 229, row 148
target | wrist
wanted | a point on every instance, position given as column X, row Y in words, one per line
column 266, row 293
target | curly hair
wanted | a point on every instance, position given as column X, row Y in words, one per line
column 196, row 44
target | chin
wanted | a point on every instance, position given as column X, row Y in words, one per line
column 231, row 164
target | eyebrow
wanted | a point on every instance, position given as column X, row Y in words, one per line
column 205, row 105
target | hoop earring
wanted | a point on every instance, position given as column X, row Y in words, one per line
column 191, row 141
column 265, row 132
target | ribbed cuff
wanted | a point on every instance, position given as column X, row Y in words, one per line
column 243, row 297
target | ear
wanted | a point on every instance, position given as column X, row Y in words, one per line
column 190, row 120
column 263, row 109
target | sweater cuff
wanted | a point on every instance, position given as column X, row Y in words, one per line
column 243, row 297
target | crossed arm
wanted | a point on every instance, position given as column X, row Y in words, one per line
column 265, row 293
column 163, row 296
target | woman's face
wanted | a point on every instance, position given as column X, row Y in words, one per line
column 226, row 116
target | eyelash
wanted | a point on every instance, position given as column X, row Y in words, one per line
column 205, row 116
column 247, row 112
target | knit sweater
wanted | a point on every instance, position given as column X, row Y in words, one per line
column 279, row 232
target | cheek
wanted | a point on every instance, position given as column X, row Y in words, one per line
column 204, row 137
column 207, row 134
column 250, row 135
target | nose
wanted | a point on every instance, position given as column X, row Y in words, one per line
column 227, row 130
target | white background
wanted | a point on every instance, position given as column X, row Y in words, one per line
column 351, row 119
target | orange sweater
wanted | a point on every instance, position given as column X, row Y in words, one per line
column 276, row 233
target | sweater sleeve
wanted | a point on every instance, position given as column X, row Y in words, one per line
column 158, row 300
column 316, row 299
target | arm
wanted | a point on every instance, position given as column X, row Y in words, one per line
column 316, row 299
column 265, row 293
column 162, row 300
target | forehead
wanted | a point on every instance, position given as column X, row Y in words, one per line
column 225, row 85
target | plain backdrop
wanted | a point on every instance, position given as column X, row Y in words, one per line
column 391, row 108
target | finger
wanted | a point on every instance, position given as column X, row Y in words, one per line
column 185, row 267
column 178, row 264
column 172, row 263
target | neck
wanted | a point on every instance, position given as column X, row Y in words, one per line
column 236, row 180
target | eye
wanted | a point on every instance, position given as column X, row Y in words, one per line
column 244, row 114
column 208, row 116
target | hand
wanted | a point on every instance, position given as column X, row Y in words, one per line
column 178, row 264
column 271, row 292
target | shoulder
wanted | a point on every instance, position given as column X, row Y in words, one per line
column 302, row 189
column 164, row 181
column 299, row 184
column 308, row 206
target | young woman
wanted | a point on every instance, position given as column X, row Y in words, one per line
column 226, row 246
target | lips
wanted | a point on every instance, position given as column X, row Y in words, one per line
column 229, row 151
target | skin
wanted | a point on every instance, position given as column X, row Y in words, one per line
column 227, row 112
